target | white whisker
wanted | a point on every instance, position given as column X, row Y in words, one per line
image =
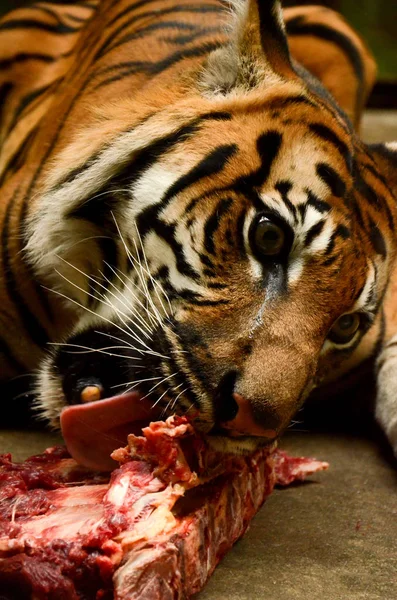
column 85, row 349
column 161, row 397
column 133, row 260
column 157, row 384
column 176, row 399
column 102, row 297
column 132, row 333
column 130, row 306
column 58, row 293
column 145, row 308
column 155, row 283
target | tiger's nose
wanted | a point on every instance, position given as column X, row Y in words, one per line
column 251, row 419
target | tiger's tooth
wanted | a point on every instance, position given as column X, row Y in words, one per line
column 91, row 393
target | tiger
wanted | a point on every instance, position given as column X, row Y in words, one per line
column 189, row 215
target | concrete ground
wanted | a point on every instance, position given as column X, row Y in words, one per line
column 333, row 538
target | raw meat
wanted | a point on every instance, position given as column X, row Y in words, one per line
column 155, row 531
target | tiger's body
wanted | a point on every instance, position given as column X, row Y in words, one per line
column 144, row 146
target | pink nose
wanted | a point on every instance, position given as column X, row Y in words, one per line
column 244, row 422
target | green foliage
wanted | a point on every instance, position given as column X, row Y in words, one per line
column 376, row 20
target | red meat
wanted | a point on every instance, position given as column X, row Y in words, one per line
column 154, row 531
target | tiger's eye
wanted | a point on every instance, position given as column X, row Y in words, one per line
column 269, row 237
column 345, row 328
column 91, row 393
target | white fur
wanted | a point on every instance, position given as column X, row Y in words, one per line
column 295, row 270
column 50, row 398
column 362, row 303
column 391, row 146
column 50, row 234
column 151, row 187
column 161, row 254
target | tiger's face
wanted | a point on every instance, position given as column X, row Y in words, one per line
column 237, row 271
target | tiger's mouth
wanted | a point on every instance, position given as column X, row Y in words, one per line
column 96, row 419
column 93, row 429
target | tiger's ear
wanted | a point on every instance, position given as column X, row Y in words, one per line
column 258, row 49
column 385, row 156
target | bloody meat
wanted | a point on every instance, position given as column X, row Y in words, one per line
column 154, row 530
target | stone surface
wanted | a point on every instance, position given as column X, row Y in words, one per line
column 379, row 126
column 333, row 538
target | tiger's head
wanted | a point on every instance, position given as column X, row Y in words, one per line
column 226, row 251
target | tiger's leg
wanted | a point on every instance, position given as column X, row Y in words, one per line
column 386, row 401
column 322, row 41
column 386, row 367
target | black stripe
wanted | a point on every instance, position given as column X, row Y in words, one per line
column 216, row 286
column 31, row 24
column 210, row 165
column 220, row 302
column 376, row 238
column 88, row 163
column 240, row 242
column 341, row 231
column 178, row 38
column 28, row 99
column 101, row 205
column 268, row 146
column 206, row 261
column 217, row 115
column 284, row 187
column 197, row 300
column 132, row 6
column 167, row 233
column 297, row 26
column 38, row 288
column 154, row 68
column 77, row 19
column 313, row 233
column 48, row 151
column 30, row 322
column 320, row 205
column 188, row 8
column 24, row 57
column 82, row 3
column 16, row 161
column 272, row 34
column 325, row 133
column 187, row 38
column 97, row 210
column 332, row 179
column 329, row 261
column 280, row 102
column 377, row 175
column 5, row 90
column 356, row 209
column 179, row 25
column 363, row 188
column 213, row 222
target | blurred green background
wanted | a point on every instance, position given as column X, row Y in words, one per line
column 375, row 19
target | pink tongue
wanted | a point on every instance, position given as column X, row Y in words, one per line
column 93, row 430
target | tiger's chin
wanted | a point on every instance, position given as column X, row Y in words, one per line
column 241, row 445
